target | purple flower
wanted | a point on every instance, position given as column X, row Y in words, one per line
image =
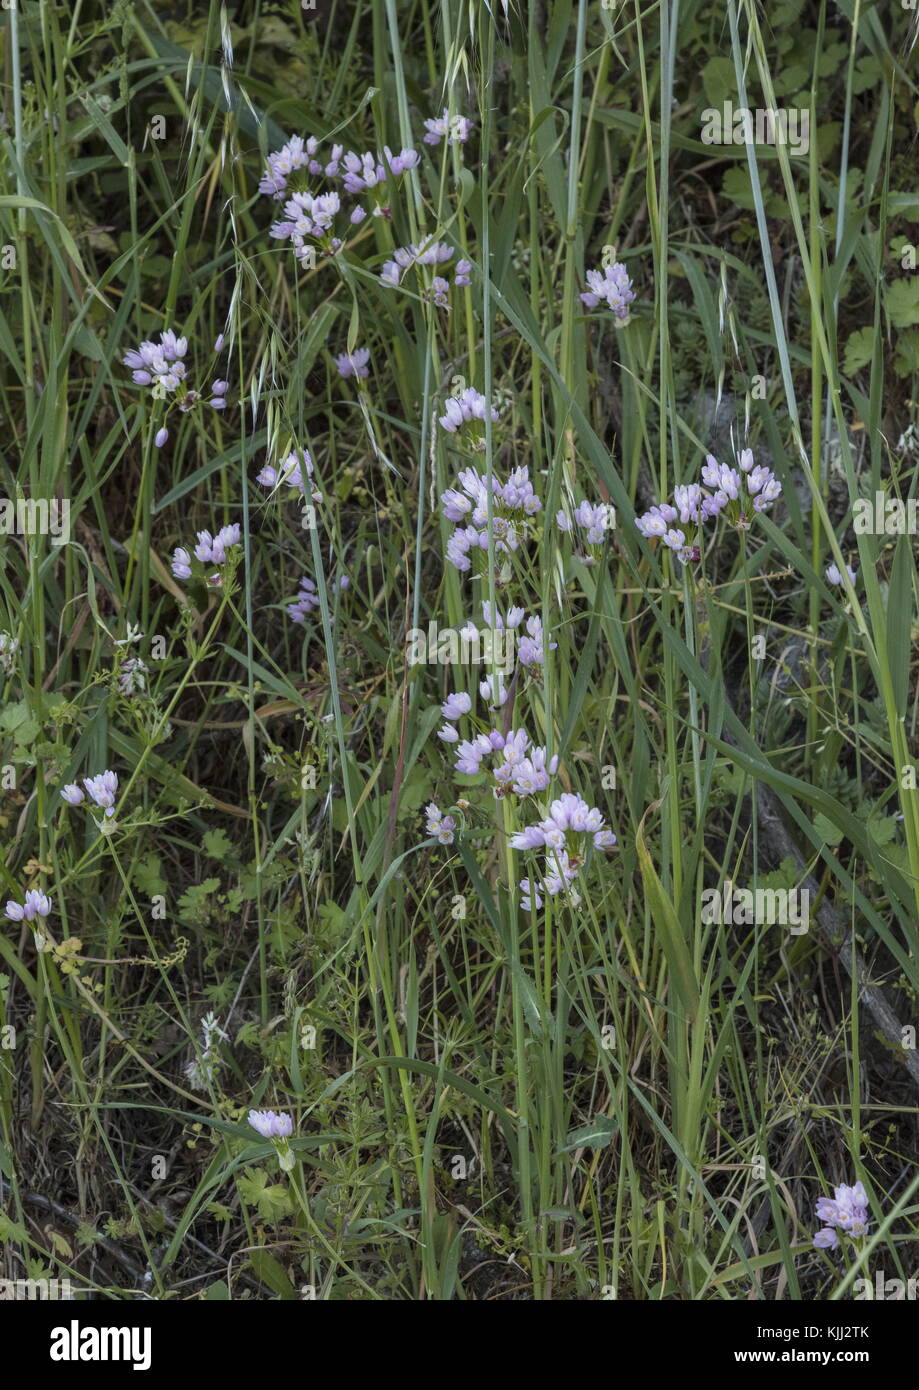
column 833, row 575
column 161, row 436
column 72, row 794
column 531, row 649
column 271, row 1126
column 102, row 790
column 296, row 470
column 469, row 761
column 467, row 406
column 455, row 706
column 430, row 252
column 305, row 601
column 656, row 521
column 353, row 364
column 512, row 504
column 209, row 550
column 181, row 563
column 463, row 274
column 455, row 129
column 613, row 287
column 441, row 827
column 283, row 162
column 36, row 904
column 847, row 1211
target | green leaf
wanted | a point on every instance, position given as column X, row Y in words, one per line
column 828, row 832
column 859, row 350
column 272, row 1274
column 599, row 1134
column 147, row 876
column 270, row 1199
column 718, row 80
column 903, row 302
column 217, row 844
column 899, row 621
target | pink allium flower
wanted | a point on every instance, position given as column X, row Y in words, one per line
column 271, row 1126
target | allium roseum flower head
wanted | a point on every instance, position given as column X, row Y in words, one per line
column 518, row 766
column 161, row 367
column 271, row 1126
column 531, row 648
column 354, row 363
column 296, row 471
column 35, row 904
column 610, row 286
column 212, row 552
column 306, row 600
column 512, row 505
column 454, row 129
column 281, row 163
column 102, row 790
column 563, row 835
column 441, row 827
column 741, row 492
column 469, row 405
column 455, row 706
column 431, row 252
column 846, row 1211
column 595, row 521
column 364, row 173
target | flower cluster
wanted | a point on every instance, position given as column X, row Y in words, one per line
column 296, row 154
column 277, row 1128
column 311, row 216
column 429, row 253
column 846, row 1212
column 36, row 904
column 564, row 836
column 441, row 827
column 271, row 1126
column 519, row 766
column 513, row 504
column 739, row 492
column 210, row 551
column 454, row 129
column 102, row 791
column 161, row 366
column 307, row 598
column 353, row 363
column 366, row 172
column 132, row 676
column 531, row 643
column 595, row 521
column 469, row 407
column 610, row 286
column 202, row 1070
column 295, row 471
